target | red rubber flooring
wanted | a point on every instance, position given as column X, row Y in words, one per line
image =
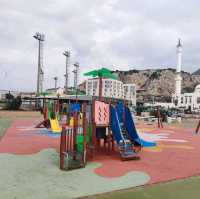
column 18, row 141
column 170, row 160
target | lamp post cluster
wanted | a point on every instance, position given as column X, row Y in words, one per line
column 40, row 72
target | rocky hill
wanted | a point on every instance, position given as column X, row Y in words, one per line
column 158, row 82
column 197, row 72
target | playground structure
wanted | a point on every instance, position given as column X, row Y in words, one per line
column 100, row 121
column 88, row 126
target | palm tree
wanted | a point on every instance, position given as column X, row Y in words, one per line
column 101, row 73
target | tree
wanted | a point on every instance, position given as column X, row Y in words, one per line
column 9, row 96
column 13, row 103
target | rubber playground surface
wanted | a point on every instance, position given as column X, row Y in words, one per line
column 29, row 163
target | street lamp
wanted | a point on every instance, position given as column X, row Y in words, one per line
column 40, row 37
column 67, row 55
column 56, row 80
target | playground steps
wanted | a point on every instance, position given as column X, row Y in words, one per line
column 127, row 152
column 125, row 134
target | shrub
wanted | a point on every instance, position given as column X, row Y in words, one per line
column 13, row 103
column 155, row 75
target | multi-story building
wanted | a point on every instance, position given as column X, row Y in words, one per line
column 112, row 88
column 130, row 92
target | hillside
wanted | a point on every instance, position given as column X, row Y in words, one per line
column 197, row 72
column 158, row 82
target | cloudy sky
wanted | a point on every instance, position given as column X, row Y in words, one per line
column 118, row 34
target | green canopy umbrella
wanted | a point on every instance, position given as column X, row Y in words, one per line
column 101, row 73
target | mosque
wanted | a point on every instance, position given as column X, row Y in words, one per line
column 189, row 101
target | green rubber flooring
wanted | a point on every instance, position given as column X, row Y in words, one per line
column 181, row 189
column 38, row 176
column 4, row 124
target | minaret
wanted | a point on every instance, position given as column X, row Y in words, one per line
column 178, row 71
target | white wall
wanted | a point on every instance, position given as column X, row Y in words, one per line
column 162, row 104
column 190, row 99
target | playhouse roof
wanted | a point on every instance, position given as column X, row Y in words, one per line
column 103, row 72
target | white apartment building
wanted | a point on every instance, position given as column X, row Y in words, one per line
column 130, row 92
column 111, row 88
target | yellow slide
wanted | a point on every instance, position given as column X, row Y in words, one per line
column 55, row 128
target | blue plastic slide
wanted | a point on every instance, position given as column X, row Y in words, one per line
column 128, row 123
column 125, row 145
column 115, row 126
column 130, row 127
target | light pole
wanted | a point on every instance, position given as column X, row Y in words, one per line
column 75, row 71
column 40, row 37
column 67, row 55
column 56, row 80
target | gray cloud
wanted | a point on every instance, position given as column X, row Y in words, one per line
column 116, row 34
